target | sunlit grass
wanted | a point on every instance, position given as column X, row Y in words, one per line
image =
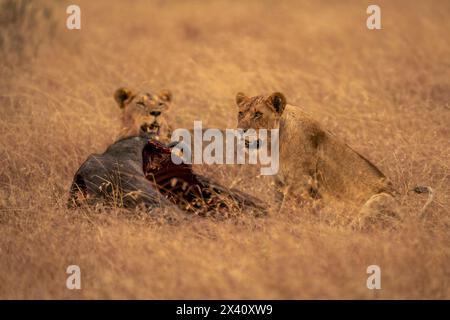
column 384, row 92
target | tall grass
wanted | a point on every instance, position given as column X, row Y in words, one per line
column 25, row 26
column 384, row 92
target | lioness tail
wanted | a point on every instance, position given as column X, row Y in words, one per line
column 424, row 189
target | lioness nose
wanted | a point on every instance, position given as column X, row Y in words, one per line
column 155, row 113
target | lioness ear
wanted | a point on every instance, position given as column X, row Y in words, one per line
column 277, row 101
column 166, row 95
column 121, row 95
column 240, row 97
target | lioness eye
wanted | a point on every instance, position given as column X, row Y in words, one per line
column 257, row 115
column 141, row 103
column 241, row 114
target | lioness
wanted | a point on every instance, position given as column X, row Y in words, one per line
column 314, row 163
column 144, row 112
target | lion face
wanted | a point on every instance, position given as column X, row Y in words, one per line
column 260, row 112
column 144, row 113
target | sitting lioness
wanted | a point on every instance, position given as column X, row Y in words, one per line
column 144, row 112
column 314, row 163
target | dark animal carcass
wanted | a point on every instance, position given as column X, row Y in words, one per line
column 139, row 171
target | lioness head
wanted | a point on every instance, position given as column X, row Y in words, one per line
column 260, row 112
column 144, row 113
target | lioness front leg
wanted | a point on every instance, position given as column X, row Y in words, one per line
column 303, row 189
column 283, row 192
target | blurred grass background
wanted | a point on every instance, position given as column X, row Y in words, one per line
column 385, row 92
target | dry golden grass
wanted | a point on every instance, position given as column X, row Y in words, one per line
column 387, row 93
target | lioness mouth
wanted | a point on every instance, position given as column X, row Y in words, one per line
column 253, row 145
column 152, row 128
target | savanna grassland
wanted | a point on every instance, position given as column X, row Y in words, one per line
column 385, row 92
